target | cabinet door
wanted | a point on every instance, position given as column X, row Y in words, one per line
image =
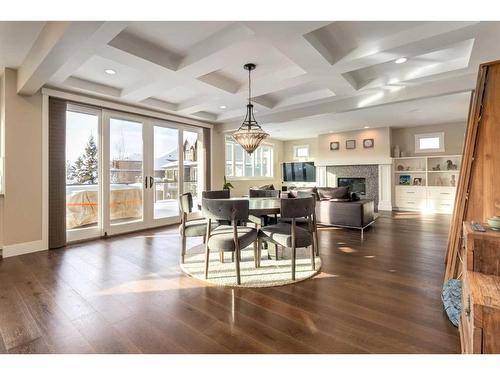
column 491, row 331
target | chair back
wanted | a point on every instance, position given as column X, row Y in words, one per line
column 306, row 194
column 297, row 207
column 186, row 203
column 216, row 194
column 259, row 193
column 225, row 209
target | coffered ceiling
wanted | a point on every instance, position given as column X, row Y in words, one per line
column 310, row 76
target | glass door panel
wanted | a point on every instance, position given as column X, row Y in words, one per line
column 82, row 174
column 191, row 169
column 166, row 172
column 126, row 176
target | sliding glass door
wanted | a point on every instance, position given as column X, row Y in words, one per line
column 126, row 172
column 83, row 152
column 166, row 173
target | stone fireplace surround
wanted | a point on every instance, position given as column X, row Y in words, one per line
column 377, row 172
column 369, row 172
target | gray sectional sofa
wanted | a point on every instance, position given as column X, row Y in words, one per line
column 339, row 207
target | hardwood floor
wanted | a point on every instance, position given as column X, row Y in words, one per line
column 127, row 295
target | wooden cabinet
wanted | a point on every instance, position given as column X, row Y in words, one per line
column 480, row 318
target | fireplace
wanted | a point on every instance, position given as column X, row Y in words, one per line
column 356, row 184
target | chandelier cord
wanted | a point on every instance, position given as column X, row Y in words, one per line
column 249, row 86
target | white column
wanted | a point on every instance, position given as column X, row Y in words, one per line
column 384, row 187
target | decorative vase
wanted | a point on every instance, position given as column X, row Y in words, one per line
column 494, row 222
column 397, row 152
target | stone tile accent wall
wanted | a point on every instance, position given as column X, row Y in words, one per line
column 369, row 172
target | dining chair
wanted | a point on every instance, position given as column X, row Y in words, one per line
column 190, row 227
column 304, row 194
column 290, row 235
column 228, row 237
column 216, row 194
column 259, row 193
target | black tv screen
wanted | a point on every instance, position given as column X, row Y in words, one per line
column 299, row 172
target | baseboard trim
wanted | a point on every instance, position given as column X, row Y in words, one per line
column 23, row 248
column 384, row 206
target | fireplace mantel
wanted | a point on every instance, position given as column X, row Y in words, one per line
column 333, row 162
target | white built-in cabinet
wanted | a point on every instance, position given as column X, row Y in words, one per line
column 426, row 183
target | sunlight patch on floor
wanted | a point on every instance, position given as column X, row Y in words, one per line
column 325, row 275
column 148, row 285
column 347, row 249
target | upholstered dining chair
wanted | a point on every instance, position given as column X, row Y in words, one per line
column 228, row 237
column 262, row 193
column 216, row 194
column 290, row 235
column 258, row 193
column 190, row 227
column 304, row 224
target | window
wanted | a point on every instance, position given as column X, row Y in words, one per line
column 301, row 152
column 240, row 164
column 432, row 142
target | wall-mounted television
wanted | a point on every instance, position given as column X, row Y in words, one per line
column 299, row 172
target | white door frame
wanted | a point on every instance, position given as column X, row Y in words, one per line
column 105, row 227
column 78, row 234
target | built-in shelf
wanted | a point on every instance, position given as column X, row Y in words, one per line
column 425, row 189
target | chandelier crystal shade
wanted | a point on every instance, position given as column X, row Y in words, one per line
column 250, row 134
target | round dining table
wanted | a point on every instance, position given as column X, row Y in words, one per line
column 262, row 206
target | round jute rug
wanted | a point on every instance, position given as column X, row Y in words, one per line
column 270, row 273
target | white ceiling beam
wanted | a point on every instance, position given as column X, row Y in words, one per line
column 369, row 98
column 292, row 43
column 204, row 57
column 106, row 32
column 83, row 85
column 197, row 104
column 159, row 104
column 146, row 50
column 61, row 46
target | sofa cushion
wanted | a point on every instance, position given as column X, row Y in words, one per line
column 327, row 193
column 293, row 192
column 338, row 199
column 264, row 187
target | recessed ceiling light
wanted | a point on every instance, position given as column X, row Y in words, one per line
column 222, row 107
column 401, row 60
column 366, row 127
column 111, row 72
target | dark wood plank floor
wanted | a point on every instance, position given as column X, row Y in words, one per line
column 127, row 295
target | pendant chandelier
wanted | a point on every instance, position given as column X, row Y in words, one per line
column 250, row 134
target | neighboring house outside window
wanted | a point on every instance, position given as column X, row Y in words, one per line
column 240, row 164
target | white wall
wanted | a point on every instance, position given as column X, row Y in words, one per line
column 454, row 136
column 22, row 144
column 289, row 145
column 379, row 154
column 242, row 185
